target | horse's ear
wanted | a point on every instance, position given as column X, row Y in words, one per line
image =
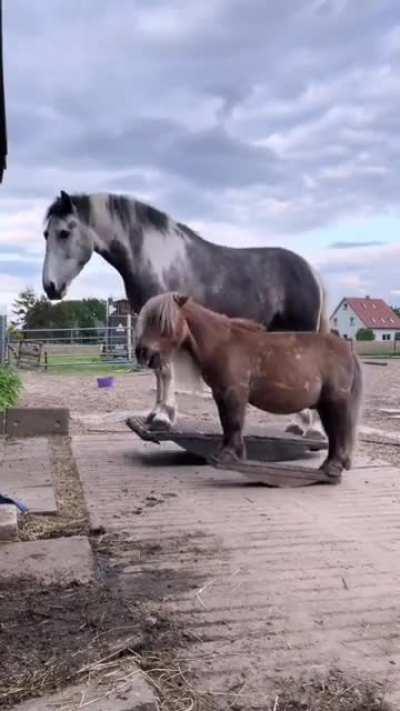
column 66, row 201
column 180, row 299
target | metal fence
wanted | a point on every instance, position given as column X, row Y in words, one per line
column 74, row 348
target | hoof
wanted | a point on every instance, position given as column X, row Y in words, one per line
column 225, row 457
column 333, row 470
column 315, row 434
column 295, row 429
column 163, row 418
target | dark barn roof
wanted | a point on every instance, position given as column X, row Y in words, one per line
column 3, row 129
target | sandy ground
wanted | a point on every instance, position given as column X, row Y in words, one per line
column 92, row 407
column 205, row 507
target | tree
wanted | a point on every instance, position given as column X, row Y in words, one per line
column 365, row 334
column 22, row 306
column 42, row 315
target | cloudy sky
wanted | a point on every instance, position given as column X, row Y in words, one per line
column 256, row 122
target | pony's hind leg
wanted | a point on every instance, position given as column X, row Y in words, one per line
column 163, row 414
column 338, row 420
column 231, row 408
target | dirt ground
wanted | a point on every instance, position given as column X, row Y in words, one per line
column 93, row 409
column 135, row 391
column 52, row 636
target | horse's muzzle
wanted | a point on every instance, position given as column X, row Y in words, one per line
column 147, row 357
column 52, row 292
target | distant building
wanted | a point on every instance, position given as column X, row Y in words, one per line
column 353, row 313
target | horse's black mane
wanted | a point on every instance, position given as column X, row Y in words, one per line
column 59, row 209
column 126, row 209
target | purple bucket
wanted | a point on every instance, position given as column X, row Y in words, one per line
column 105, row 382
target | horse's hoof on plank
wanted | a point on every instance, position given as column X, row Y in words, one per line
column 315, row 434
column 160, row 423
column 295, row 429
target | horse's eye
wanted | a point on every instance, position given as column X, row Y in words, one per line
column 45, row 234
column 63, row 234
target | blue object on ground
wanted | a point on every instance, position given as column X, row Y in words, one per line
column 19, row 504
column 105, row 382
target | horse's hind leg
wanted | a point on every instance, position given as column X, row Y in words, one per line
column 306, row 424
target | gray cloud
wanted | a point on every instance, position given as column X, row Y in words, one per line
column 275, row 117
column 300, row 98
column 352, row 245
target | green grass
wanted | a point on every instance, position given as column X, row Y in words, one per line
column 379, row 356
column 84, row 365
column 10, row 387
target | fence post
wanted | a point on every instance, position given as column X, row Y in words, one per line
column 129, row 336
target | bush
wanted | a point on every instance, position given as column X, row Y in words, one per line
column 365, row 334
column 10, row 387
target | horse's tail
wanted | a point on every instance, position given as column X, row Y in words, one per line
column 323, row 318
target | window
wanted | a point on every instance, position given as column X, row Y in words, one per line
column 335, row 321
column 351, row 320
column 386, row 336
column 345, row 306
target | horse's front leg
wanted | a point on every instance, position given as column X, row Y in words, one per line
column 163, row 415
column 231, row 408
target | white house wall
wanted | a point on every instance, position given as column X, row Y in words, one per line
column 347, row 322
column 381, row 335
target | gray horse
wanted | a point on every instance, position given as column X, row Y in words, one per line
column 155, row 254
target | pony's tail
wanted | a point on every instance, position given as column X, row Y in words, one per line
column 356, row 393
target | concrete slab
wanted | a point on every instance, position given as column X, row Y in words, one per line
column 36, row 422
column 295, row 580
column 8, row 522
column 136, row 694
column 26, row 474
column 59, row 560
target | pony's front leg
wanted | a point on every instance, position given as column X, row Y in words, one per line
column 231, row 408
column 163, row 414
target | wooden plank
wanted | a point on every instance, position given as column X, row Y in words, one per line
column 277, row 475
column 201, row 439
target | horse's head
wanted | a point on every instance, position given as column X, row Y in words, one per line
column 161, row 329
column 69, row 246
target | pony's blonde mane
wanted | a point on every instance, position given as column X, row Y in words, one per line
column 161, row 312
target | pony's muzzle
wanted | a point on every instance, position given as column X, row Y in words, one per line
column 146, row 357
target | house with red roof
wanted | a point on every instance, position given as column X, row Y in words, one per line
column 354, row 313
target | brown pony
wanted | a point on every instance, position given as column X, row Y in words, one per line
column 243, row 363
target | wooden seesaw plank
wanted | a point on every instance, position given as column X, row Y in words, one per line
column 283, row 475
column 271, row 444
column 276, row 446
